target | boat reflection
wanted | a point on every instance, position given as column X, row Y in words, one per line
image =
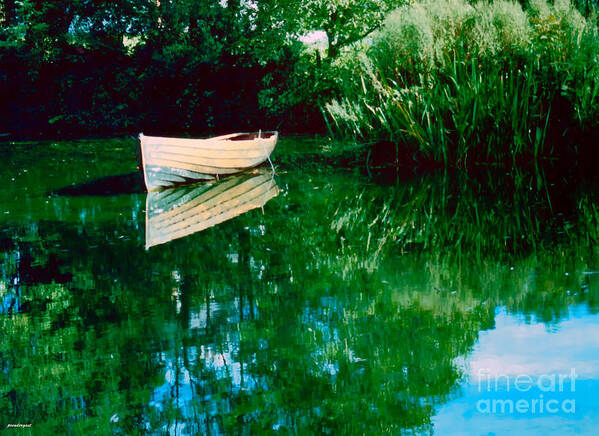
column 177, row 212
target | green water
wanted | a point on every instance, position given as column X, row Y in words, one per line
column 344, row 305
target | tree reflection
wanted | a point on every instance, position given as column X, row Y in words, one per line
column 341, row 309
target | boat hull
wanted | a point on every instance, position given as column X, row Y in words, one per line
column 170, row 161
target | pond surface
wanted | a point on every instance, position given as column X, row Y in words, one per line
column 328, row 304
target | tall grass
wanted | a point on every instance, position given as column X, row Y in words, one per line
column 483, row 82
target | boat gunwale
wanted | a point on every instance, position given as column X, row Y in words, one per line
column 272, row 134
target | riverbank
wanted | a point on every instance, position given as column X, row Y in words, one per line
column 451, row 83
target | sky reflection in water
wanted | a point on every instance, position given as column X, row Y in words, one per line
column 539, row 362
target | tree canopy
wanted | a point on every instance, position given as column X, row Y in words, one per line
column 97, row 67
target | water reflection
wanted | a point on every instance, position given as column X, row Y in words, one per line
column 181, row 211
column 527, row 377
column 347, row 308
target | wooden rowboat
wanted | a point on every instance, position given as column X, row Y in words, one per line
column 180, row 211
column 170, row 161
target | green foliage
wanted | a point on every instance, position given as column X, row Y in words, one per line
column 485, row 82
column 344, row 21
column 184, row 67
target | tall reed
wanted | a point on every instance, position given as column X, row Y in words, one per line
column 462, row 83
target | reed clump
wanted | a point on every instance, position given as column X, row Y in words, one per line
column 463, row 82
